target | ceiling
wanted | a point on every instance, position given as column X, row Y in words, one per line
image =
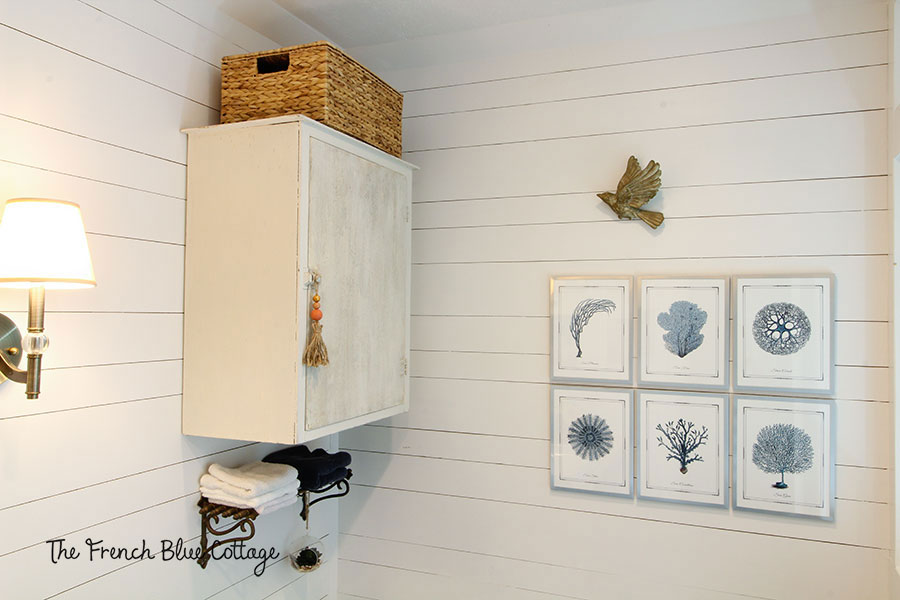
column 352, row 23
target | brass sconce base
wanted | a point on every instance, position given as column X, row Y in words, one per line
column 35, row 344
column 10, row 343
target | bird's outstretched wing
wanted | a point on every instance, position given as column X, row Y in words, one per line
column 631, row 170
column 637, row 186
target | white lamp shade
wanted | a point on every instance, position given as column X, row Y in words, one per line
column 42, row 243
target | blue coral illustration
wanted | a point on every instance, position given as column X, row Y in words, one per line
column 781, row 328
column 783, row 448
column 683, row 323
column 583, row 313
column 682, row 439
column 590, row 437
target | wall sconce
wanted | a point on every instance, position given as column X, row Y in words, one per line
column 42, row 246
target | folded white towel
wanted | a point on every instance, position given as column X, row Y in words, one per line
column 255, row 478
column 212, row 487
column 276, row 504
column 266, row 507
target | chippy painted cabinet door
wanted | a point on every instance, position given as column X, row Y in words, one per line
column 268, row 201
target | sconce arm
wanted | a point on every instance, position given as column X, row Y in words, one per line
column 10, row 371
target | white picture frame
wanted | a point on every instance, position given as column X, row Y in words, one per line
column 797, row 482
column 591, row 442
column 591, row 326
column 683, row 452
column 783, row 334
column 683, row 332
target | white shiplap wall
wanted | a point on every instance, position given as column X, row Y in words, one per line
column 92, row 99
column 769, row 121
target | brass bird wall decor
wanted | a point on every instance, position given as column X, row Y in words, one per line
column 635, row 189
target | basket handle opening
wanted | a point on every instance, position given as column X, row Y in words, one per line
column 273, row 63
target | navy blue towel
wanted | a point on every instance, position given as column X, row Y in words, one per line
column 316, row 469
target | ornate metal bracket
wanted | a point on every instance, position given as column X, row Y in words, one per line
column 209, row 515
column 342, row 484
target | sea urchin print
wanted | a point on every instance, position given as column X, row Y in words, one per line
column 781, row 328
column 590, row 437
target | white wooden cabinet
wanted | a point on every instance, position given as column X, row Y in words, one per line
column 268, row 200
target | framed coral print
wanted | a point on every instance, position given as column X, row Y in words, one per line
column 783, row 333
column 784, row 456
column 682, row 442
column 683, row 332
column 591, row 329
column 591, row 446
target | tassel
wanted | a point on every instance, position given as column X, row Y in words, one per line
column 316, row 354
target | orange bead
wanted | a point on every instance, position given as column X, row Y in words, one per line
column 316, row 298
column 315, row 314
column 315, row 305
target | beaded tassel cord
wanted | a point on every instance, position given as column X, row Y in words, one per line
column 316, row 354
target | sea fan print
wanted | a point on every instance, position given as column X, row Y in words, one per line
column 590, row 437
column 683, row 322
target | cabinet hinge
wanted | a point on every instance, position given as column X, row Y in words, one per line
column 404, row 367
column 406, row 213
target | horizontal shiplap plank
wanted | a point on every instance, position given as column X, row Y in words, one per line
column 837, row 91
column 627, row 547
column 159, row 21
column 84, row 447
column 31, row 144
column 224, row 22
column 283, row 582
column 66, row 92
column 826, row 195
column 132, row 276
column 523, row 289
column 83, row 387
column 634, row 77
column 107, row 209
column 379, row 568
column 521, row 410
column 186, row 66
column 851, row 383
column 856, row 343
column 450, row 445
column 34, row 522
column 404, row 583
column 814, row 147
column 86, row 339
column 570, row 41
column 784, row 235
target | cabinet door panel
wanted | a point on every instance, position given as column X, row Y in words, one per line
column 358, row 213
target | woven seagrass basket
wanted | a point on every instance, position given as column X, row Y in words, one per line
column 317, row 80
